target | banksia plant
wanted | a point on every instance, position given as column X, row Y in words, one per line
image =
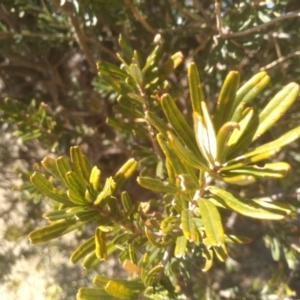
column 190, row 167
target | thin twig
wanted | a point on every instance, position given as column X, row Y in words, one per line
column 4, row 15
column 102, row 48
column 228, row 35
column 81, row 40
column 279, row 60
column 186, row 12
column 139, row 18
column 279, row 55
column 80, row 37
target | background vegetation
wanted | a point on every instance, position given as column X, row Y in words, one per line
column 49, row 51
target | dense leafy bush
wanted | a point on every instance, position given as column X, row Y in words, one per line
column 200, row 164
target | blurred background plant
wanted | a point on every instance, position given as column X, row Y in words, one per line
column 49, row 51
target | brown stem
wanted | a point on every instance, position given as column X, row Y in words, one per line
column 251, row 30
column 139, row 18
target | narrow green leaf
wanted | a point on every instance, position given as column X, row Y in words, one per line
column 169, row 224
column 152, row 59
column 237, row 239
column 124, row 173
column 108, row 190
column 121, row 291
column 271, row 147
column 152, row 240
column 240, row 129
column 75, row 182
column 276, row 108
column 55, row 230
column 247, row 93
column 188, row 225
column 83, row 250
column 94, row 179
column 245, row 139
column 93, row 294
column 76, row 198
column 239, row 179
column 50, row 165
column 176, row 119
column 150, row 277
column 101, row 281
column 137, row 75
column 113, row 74
column 205, row 140
column 63, row 168
column 178, row 166
column 180, row 246
column 248, row 208
column 126, row 47
column 81, row 165
column 212, row 222
column 47, row 188
column 157, row 122
column 101, row 251
column 170, row 65
column 59, row 214
column 195, row 88
column 222, row 139
column 157, row 185
column 221, row 252
column 226, row 99
column 126, row 201
column 277, row 205
column 90, row 261
column 185, row 155
column 270, row 170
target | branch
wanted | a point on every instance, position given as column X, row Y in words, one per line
column 251, row 30
column 279, row 60
column 68, row 9
column 139, row 18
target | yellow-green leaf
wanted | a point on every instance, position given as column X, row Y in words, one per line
column 93, row 294
column 83, row 250
column 47, row 188
column 195, row 88
column 248, row 208
column 226, row 99
column 178, row 122
column 157, row 185
column 55, row 230
column 188, row 225
column 80, row 163
column 212, row 222
column 180, row 246
column 185, row 155
column 124, row 173
column 276, row 108
column 100, row 242
column 247, row 93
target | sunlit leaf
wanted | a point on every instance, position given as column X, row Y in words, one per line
column 178, row 122
column 180, row 246
column 247, row 93
column 226, row 99
column 248, row 207
column 157, row 185
column 195, row 88
column 47, row 188
column 276, row 108
column 212, row 222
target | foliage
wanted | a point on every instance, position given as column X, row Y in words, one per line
column 197, row 165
